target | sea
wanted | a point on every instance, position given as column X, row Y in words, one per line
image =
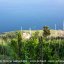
column 33, row 14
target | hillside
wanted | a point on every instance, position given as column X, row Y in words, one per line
column 13, row 34
column 13, row 47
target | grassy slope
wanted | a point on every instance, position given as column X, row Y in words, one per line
column 13, row 34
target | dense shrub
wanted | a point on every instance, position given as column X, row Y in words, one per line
column 34, row 49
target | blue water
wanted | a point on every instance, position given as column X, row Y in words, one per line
column 30, row 13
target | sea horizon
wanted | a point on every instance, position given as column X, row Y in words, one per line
column 31, row 14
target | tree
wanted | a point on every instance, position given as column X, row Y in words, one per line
column 46, row 31
column 19, row 44
column 16, row 45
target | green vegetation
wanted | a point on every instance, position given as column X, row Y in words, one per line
column 37, row 48
column 46, row 31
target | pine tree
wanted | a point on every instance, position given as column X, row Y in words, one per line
column 46, row 31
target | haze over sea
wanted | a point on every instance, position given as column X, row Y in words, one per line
column 30, row 13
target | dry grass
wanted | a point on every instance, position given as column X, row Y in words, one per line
column 54, row 33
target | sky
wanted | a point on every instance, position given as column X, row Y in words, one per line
column 30, row 13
